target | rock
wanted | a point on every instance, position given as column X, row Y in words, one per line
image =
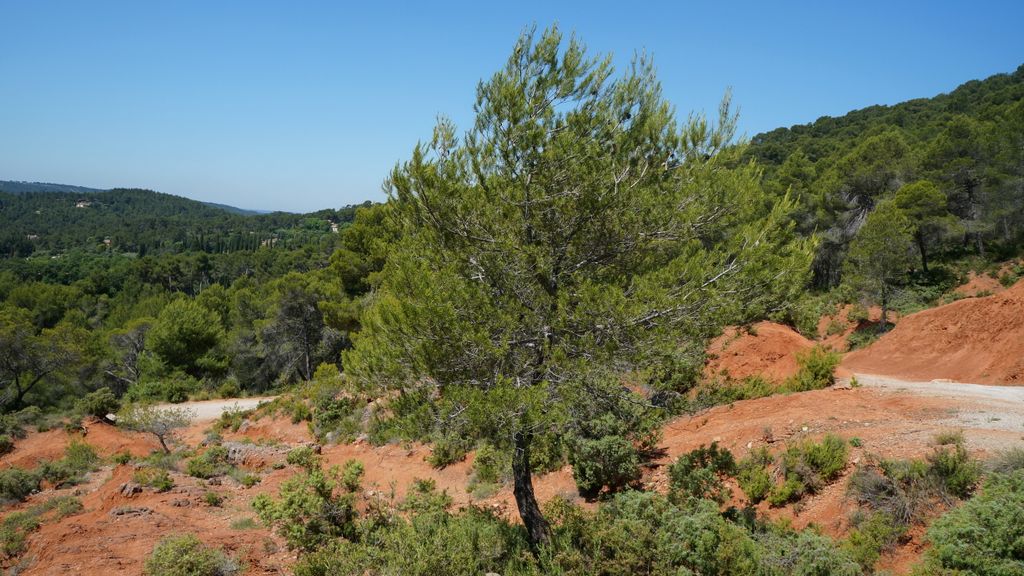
column 181, row 503
column 129, row 489
column 130, row 511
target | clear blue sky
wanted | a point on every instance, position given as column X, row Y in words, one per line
column 304, row 105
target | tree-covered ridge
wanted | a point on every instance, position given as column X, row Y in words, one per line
column 146, row 222
column 967, row 145
column 984, row 100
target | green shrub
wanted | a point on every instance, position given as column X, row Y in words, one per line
column 491, row 465
column 211, row 463
column 1008, row 461
column 873, row 535
column 16, row 484
column 985, row 535
column 187, row 556
column 611, row 462
column 153, row 477
column 16, row 526
column 304, row 457
column 753, row 476
column 817, row 370
column 213, row 499
column 98, row 404
column 954, row 467
column 6, row 444
column 949, row 438
column 121, row 458
column 79, row 459
column 808, row 466
column 244, row 524
column 699, row 474
column 352, row 475
column 229, row 389
column 308, row 514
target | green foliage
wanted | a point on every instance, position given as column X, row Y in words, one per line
column 1008, row 461
column 160, row 422
column 984, row 535
column 699, row 474
column 16, row 526
column 808, row 466
column 79, row 459
column 753, row 477
column 186, row 332
column 212, row 462
column 213, row 499
column 304, row 457
column 352, row 475
column 503, row 284
column 6, row 444
column 872, row 535
column 186, row 555
column 154, row 477
column 308, row 513
column 817, row 370
column 949, row 438
column 611, row 462
column 880, row 256
column 16, row 484
column 98, row 404
column 953, row 466
column 908, row 490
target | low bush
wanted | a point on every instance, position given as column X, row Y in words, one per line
column 6, row 444
column 79, row 459
column 308, row 513
column 98, row 404
column 154, row 477
column 16, row 526
column 872, row 535
column 753, row 477
column 817, row 370
column 16, row 484
column 909, row 490
column 211, row 463
column 1008, row 461
column 982, row 537
column 700, row 473
column 610, row 462
column 807, row 467
column 187, row 555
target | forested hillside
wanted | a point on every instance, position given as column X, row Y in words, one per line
column 146, row 222
column 954, row 164
column 539, row 291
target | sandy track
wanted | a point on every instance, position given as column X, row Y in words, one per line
column 978, row 406
column 212, row 409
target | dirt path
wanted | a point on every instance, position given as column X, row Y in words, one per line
column 212, row 409
column 978, row 406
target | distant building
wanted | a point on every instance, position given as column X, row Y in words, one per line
column 83, row 204
column 32, row 236
column 334, row 227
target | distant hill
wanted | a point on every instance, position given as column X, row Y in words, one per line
column 17, row 188
column 144, row 222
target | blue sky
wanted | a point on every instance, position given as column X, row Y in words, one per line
column 304, row 105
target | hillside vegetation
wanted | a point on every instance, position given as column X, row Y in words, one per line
column 535, row 298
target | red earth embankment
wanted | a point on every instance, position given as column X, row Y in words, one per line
column 977, row 340
column 765, row 349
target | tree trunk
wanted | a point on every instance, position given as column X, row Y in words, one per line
column 924, row 252
column 537, row 528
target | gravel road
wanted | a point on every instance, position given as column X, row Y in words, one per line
column 212, row 409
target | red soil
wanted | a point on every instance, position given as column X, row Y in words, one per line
column 972, row 340
column 767, row 349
